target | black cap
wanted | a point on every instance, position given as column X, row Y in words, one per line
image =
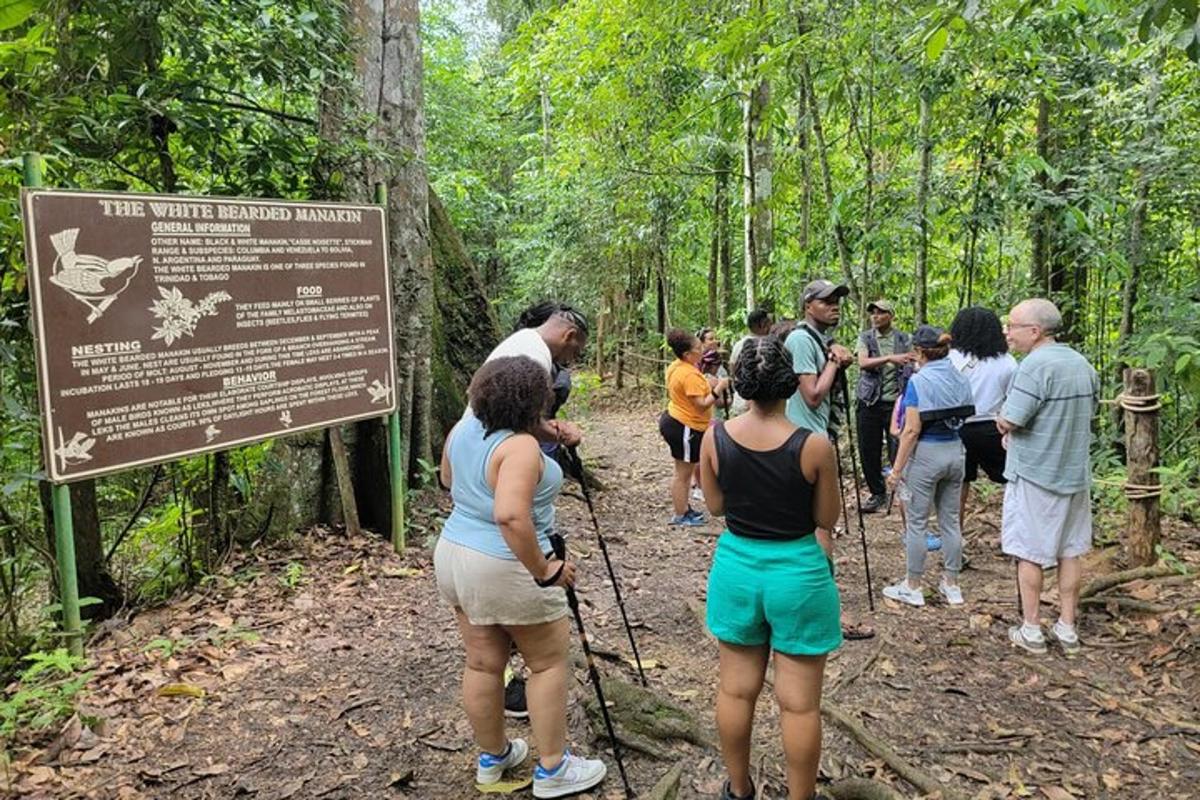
column 823, row 290
column 927, row 336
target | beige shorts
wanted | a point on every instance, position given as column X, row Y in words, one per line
column 494, row 591
column 1043, row 526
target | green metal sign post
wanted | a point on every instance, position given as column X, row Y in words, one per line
column 395, row 454
column 64, row 530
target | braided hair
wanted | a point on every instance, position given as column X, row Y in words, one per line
column 764, row 371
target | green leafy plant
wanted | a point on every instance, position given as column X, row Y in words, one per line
column 293, row 575
column 45, row 692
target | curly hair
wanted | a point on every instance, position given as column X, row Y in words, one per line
column 977, row 332
column 680, row 341
column 510, row 393
column 938, row 352
column 764, row 371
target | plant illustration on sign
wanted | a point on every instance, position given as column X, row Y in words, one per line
column 75, row 451
column 92, row 280
column 179, row 315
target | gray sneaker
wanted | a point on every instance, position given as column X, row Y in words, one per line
column 1070, row 645
column 1016, row 635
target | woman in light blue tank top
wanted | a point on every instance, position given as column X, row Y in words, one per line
column 495, row 567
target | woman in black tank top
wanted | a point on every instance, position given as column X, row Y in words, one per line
column 771, row 586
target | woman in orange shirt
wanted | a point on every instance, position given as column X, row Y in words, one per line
column 690, row 399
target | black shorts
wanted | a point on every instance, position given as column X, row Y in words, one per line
column 683, row 441
column 984, row 449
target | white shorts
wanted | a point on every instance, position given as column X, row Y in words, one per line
column 493, row 591
column 1043, row 526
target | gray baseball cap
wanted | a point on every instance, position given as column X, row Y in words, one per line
column 823, row 290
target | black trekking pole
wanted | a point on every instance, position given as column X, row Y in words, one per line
column 577, row 464
column 559, row 546
column 862, row 525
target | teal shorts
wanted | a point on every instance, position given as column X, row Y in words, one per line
column 764, row 591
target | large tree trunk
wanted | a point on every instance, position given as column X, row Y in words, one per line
column 839, row 231
column 805, row 167
column 465, row 329
column 756, row 187
column 91, row 567
column 921, row 285
column 724, row 246
column 1040, row 229
column 714, row 254
column 390, row 69
column 1135, row 248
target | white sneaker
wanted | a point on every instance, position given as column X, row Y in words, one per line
column 904, row 593
column 697, row 494
column 953, row 594
column 491, row 768
column 572, row 775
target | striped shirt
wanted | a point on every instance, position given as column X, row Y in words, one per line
column 1052, row 400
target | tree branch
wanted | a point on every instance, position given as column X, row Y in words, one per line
column 270, row 112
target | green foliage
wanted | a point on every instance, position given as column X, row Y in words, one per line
column 44, row 693
column 293, row 575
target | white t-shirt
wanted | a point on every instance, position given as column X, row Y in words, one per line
column 525, row 342
column 989, row 378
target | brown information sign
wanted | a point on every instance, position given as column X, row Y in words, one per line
column 168, row 326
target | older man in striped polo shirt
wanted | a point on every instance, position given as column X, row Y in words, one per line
column 1046, row 421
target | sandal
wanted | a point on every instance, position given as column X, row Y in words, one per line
column 857, row 632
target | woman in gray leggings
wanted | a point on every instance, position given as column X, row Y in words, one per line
column 930, row 463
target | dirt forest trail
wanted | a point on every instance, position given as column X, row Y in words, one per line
column 331, row 670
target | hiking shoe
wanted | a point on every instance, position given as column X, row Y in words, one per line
column 689, row 519
column 727, row 792
column 1017, row 635
column 1068, row 640
column 874, row 503
column 514, row 699
column 572, row 775
column 904, row 593
column 490, row 768
column 953, row 594
column 932, row 542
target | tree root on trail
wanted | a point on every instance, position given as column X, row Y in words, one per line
column 861, row 789
column 1102, row 696
column 641, row 717
column 850, row 677
column 873, row 745
column 1126, row 603
column 667, row 787
column 1105, row 582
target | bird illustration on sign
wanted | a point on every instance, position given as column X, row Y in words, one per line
column 92, row 280
column 211, row 432
column 73, row 452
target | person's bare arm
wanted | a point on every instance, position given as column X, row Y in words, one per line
column 518, row 470
column 714, row 498
column 558, row 431
column 908, row 442
column 444, row 474
column 815, row 388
